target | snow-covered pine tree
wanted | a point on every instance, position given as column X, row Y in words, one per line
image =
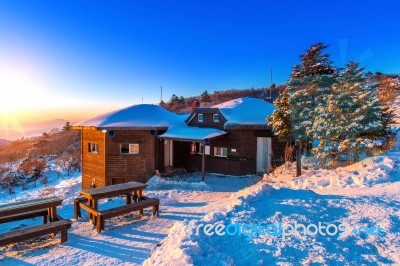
column 359, row 118
column 280, row 120
column 308, row 89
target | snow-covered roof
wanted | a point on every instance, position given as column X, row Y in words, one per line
column 136, row 116
column 245, row 111
column 191, row 133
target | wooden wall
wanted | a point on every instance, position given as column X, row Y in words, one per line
column 208, row 120
column 109, row 166
column 122, row 168
column 241, row 162
column 93, row 164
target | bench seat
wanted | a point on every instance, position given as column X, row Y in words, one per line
column 117, row 211
column 36, row 231
column 25, row 215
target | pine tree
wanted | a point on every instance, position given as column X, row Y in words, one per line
column 360, row 115
column 280, row 119
column 66, row 127
column 308, row 89
column 205, row 97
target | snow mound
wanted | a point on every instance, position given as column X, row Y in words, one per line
column 246, row 111
column 158, row 183
column 141, row 115
column 366, row 173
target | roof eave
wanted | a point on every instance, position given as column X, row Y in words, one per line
column 247, row 126
column 118, row 128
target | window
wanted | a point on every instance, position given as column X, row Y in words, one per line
column 220, row 152
column 200, row 118
column 130, row 148
column 93, row 147
column 216, row 118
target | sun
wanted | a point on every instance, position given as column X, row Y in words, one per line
column 20, row 92
column 21, row 87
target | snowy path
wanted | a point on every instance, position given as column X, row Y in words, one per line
column 127, row 241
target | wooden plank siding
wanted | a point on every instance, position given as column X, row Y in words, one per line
column 121, row 168
column 93, row 164
column 239, row 162
column 108, row 166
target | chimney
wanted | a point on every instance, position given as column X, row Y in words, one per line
column 195, row 104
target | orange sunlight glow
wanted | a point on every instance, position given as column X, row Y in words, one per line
column 20, row 91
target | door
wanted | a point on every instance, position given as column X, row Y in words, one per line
column 263, row 154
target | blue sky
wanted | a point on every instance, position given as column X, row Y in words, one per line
column 86, row 57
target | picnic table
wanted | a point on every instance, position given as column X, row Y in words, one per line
column 134, row 200
column 17, row 210
column 46, row 207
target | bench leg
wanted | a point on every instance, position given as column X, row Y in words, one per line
column 50, row 215
column 100, row 223
column 155, row 210
column 139, row 194
column 77, row 209
column 135, row 197
column 53, row 214
column 95, row 206
column 64, row 235
column 128, row 198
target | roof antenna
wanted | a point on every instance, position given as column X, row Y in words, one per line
column 161, row 95
column 270, row 88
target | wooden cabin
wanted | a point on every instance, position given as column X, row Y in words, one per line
column 130, row 144
column 121, row 146
column 248, row 145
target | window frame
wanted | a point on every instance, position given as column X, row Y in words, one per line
column 129, row 148
column 202, row 118
column 93, row 147
column 216, row 116
column 221, row 154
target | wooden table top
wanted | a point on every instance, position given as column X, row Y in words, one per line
column 112, row 191
column 29, row 205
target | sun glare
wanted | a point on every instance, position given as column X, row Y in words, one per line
column 20, row 93
column 17, row 91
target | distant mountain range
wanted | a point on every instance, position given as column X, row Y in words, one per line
column 4, row 142
column 32, row 129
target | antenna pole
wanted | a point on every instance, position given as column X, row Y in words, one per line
column 270, row 89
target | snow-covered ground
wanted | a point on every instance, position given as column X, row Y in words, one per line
column 364, row 195
column 127, row 240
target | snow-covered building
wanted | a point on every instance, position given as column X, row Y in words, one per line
column 131, row 143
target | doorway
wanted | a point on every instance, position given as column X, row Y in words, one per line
column 264, row 151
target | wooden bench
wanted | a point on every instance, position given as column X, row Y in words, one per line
column 136, row 206
column 35, row 231
column 25, row 215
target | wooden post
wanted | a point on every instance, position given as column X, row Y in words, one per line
column 140, row 195
column 128, row 198
column 298, row 159
column 203, row 163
